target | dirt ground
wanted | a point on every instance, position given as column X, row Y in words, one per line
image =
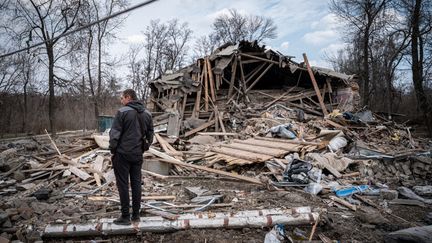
column 336, row 223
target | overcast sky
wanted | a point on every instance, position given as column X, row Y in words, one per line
column 303, row 26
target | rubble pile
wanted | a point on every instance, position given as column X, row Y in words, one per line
column 243, row 133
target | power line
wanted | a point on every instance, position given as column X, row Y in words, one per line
column 80, row 28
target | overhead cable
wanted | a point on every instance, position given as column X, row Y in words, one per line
column 80, row 28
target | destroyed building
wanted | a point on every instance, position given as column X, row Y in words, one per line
column 249, row 75
column 245, row 138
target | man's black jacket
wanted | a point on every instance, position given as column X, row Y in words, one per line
column 126, row 135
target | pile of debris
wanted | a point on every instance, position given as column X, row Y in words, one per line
column 247, row 137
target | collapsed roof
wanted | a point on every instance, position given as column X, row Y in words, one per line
column 234, row 71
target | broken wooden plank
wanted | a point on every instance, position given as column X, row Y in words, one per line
column 259, row 77
column 219, row 116
column 409, row 202
column 343, row 203
column 258, row 58
column 275, row 169
column 200, row 128
column 271, row 144
column 255, row 148
column 251, row 156
column 315, row 85
column 183, row 105
column 53, row 143
column 228, row 159
column 278, row 98
column 98, row 166
column 80, row 173
column 218, row 133
column 169, row 159
column 282, row 140
column 324, row 163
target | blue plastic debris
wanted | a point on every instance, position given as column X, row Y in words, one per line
column 345, row 192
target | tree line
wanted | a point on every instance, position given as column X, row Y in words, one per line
column 385, row 38
column 390, row 48
column 79, row 66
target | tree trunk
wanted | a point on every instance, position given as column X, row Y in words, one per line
column 24, row 125
column 92, row 86
column 51, row 102
column 366, row 68
column 389, row 95
column 417, row 70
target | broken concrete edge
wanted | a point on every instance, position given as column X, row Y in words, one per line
column 250, row 219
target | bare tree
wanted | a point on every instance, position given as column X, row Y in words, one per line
column 234, row 27
column 96, row 38
column 45, row 21
column 178, row 35
column 164, row 48
column 361, row 18
column 418, row 14
column 204, row 46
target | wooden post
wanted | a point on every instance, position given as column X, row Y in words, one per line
column 206, row 85
column 233, row 74
column 53, row 143
column 243, row 80
column 195, row 111
column 183, row 105
column 315, row 85
column 211, row 79
column 330, row 91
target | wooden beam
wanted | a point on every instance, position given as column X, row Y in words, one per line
column 53, row 143
column 315, row 85
column 171, row 160
column 259, row 58
column 243, row 154
column 80, row 173
column 254, row 72
column 196, row 108
column 206, row 95
column 233, row 75
column 282, row 140
column 218, row 133
column 280, row 97
column 200, row 128
column 344, row 203
column 183, row 105
column 271, row 144
column 211, row 79
column 259, row 77
column 167, row 147
column 243, row 80
column 256, row 148
column 219, row 116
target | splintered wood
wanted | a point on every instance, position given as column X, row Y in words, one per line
column 254, row 150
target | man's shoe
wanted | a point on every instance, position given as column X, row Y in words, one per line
column 122, row 221
column 135, row 218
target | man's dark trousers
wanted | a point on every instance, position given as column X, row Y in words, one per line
column 125, row 165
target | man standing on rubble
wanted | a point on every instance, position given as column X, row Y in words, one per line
column 131, row 134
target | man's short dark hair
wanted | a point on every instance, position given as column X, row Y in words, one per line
column 130, row 93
